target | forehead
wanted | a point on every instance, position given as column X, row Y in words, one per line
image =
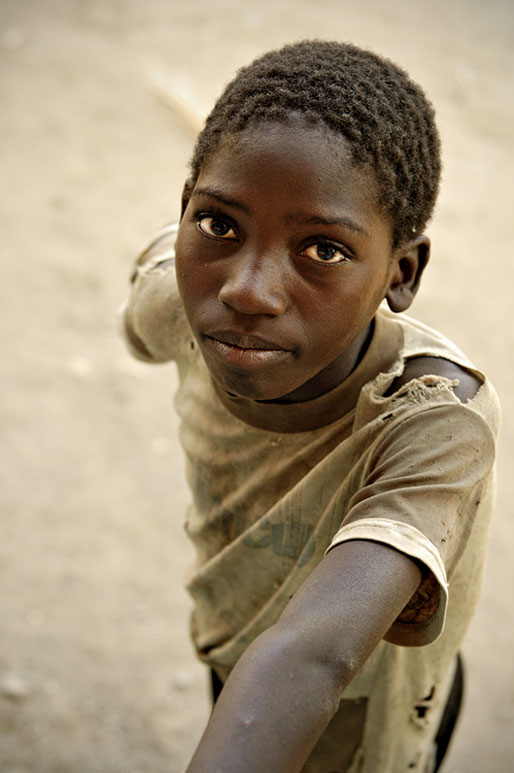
column 295, row 165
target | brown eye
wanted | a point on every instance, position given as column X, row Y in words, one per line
column 323, row 252
column 216, row 227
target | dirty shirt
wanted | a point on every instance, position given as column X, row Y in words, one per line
column 275, row 486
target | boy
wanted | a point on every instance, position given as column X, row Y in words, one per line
column 340, row 459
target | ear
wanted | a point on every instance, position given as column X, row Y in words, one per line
column 186, row 195
column 410, row 259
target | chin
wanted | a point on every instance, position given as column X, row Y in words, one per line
column 248, row 389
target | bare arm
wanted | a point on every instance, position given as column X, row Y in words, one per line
column 286, row 687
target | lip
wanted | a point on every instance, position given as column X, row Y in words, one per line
column 246, row 352
column 243, row 341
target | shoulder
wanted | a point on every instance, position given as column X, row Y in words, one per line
column 154, row 322
column 159, row 252
column 468, row 382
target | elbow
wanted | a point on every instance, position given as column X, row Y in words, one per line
column 322, row 650
column 134, row 343
column 134, row 340
column 298, row 657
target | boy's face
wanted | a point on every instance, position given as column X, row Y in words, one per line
column 283, row 257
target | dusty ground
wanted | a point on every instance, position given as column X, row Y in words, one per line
column 96, row 670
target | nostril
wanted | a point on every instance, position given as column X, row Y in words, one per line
column 249, row 295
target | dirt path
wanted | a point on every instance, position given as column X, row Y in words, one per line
column 96, row 670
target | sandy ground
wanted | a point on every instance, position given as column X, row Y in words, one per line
column 96, row 669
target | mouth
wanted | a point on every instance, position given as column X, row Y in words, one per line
column 242, row 341
column 243, row 351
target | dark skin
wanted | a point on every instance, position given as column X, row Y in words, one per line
column 281, row 266
column 286, row 687
column 283, row 256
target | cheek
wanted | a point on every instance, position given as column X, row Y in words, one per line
column 334, row 322
column 182, row 274
column 198, row 285
column 190, row 274
column 189, row 286
column 185, row 262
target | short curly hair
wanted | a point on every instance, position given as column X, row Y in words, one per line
column 385, row 117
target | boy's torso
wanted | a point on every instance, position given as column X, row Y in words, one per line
column 273, row 485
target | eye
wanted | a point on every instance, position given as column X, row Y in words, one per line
column 324, row 252
column 216, row 227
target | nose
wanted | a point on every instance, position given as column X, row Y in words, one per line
column 254, row 287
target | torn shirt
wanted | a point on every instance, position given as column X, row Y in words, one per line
column 274, row 486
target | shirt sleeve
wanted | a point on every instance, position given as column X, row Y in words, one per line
column 152, row 318
column 421, row 495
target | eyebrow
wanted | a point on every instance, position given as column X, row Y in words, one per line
column 294, row 217
column 317, row 220
column 214, row 193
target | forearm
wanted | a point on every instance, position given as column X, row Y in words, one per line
column 275, row 705
column 285, row 689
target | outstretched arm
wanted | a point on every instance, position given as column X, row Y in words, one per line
column 287, row 686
